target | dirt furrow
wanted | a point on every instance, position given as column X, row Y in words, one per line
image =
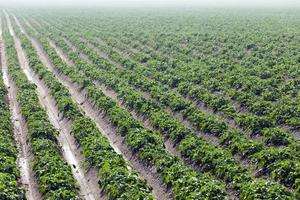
column 24, row 160
column 89, row 188
column 105, row 126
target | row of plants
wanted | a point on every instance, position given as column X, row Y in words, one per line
column 270, row 82
column 258, row 125
column 149, row 145
column 208, row 92
column 178, row 75
column 231, row 138
column 268, row 97
column 164, row 122
column 271, row 136
column 248, row 121
column 117, row 178
column 9, row 172
column 256, row 151
column 53, row 174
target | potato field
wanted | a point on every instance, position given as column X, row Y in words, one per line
column 144, row 104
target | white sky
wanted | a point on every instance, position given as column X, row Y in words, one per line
column 186, row 3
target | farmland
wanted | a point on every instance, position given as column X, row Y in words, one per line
column 150, row 104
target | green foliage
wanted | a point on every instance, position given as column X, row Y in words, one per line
column 10, row 188
column 53, row 174
column 264, row 190
column 117, row 178
column 209, row 66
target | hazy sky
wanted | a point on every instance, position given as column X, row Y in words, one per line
column 186, row 3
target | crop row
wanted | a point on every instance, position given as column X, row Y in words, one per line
column 273, row 160
column 9, row 173
column 281, row 163
column 172, row 128
column 117, row 178
column 197, row 81
column 264, row 91
column 206, row 92
column 148, row 144
column 257, row 125
column 271, row 136
column 52, row 172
